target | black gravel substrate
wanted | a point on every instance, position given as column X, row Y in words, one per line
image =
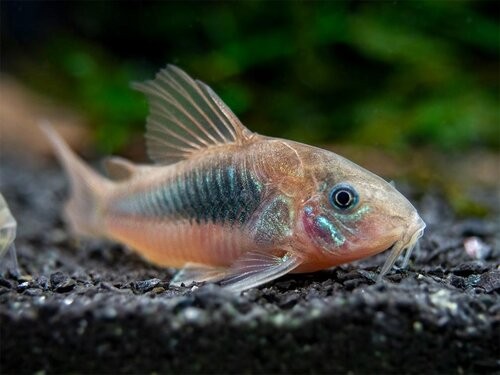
column 95, row 307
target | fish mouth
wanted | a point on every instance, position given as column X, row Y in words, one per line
column 407, row 242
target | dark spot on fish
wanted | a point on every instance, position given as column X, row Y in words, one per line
column 220, row 193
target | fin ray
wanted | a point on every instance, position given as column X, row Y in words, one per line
column 166, row 131
column 194, row 85
column 186, row 117
column 256, row 268
column 189, row 116
column 238, row 128
column 186, row 95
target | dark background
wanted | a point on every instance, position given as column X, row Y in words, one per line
column 395, row 74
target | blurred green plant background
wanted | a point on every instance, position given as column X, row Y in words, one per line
column 397, row 75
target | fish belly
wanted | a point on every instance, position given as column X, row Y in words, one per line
column 175, row 244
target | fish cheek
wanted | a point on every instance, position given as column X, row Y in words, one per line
column 273, row 224
column 322, row 230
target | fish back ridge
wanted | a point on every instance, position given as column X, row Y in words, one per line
column 83, row 209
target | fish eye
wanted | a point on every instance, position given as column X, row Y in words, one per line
column 343, row 196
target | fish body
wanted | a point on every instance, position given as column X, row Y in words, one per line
column 226, row 204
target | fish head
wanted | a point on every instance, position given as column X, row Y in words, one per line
column 350, row 213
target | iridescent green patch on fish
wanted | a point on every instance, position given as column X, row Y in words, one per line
column 322, row 229
column 354, row 216
column 275, row 221
column 331, row 233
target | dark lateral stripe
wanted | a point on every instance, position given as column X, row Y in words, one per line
column 220, row 194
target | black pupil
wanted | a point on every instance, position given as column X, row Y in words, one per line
column 343, row 198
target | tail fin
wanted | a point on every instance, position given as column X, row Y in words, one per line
column 83, row 209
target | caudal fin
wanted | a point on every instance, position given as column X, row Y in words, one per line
column 88, row 189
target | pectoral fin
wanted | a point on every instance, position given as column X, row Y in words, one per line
column 254, row 268
column 257, row 268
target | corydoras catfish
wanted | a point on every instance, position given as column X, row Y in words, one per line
column 230, row 205
column 8, row 228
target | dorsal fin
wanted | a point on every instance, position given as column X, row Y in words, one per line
column 118, row 168
column 186, row 117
